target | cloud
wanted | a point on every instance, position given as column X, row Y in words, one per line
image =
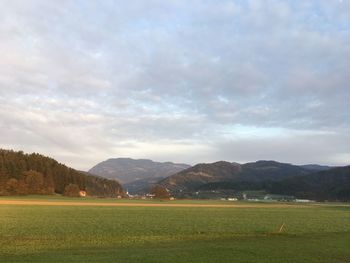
column 82, row 81
column 298, row 147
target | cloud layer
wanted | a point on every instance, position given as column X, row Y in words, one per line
column 185, row 81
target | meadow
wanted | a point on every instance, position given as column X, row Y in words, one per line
column 40, row 233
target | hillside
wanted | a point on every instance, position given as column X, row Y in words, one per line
column 37, row 174
column 315, row 182
column 270, row 170
column 142, row 186
column 136, row 174
column 316, row 167
column 194, row 177
column 333, row 184
column 224, row 172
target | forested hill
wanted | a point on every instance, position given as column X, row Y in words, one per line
column 34, row 173
column 333, row 185
column 197, row 176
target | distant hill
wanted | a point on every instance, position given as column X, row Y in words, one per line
column 270, row 170
column 22, row 174
column 195, row 177
column 316, row 167
column 333, row 184
column 136, row 175
column 311, row 182
column 142, row 186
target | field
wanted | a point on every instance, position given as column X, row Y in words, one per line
column 202, row 232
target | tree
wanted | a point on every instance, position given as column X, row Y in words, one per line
column 11, row 186
column 22, row 187
column 35, row 182
column 49, row 184
column 160, row 192
column 72, row 190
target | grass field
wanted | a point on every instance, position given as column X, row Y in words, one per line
column 33, row 233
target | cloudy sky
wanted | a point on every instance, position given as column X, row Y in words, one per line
column 185, row 81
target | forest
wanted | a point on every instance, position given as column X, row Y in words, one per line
column 23, row 174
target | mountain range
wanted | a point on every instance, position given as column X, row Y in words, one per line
column 302, row 181
column 306, row 182
column 201, row 174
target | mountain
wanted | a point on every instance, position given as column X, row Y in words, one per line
column 225, row 172
column 194, row 177
column 136, row 175
column 332, row 185
column 270, row 170
column 316, row 167
column 311, row 182
column 22, row 173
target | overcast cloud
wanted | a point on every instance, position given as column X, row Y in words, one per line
column 185, row 81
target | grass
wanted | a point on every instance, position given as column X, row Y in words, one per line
column 173, row 234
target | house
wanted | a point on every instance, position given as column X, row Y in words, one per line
column 304, row 201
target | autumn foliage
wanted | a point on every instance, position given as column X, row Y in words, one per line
column 160, row 192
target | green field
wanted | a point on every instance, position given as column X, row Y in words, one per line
column 173, row 234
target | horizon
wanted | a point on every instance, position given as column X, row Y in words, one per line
column 178, row 81
column 210, row 162
column 169, row 161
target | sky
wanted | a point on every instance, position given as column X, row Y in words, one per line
column 184, row 81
